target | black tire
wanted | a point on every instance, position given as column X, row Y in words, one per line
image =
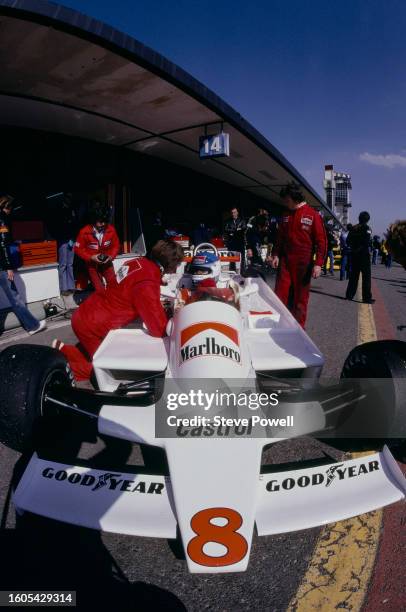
column 26, row 372
column 377, row 360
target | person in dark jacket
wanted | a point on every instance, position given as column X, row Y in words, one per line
column 345, row 266
column 258, row 236
column 7, row 285
column 359, row 241
column 234, row 234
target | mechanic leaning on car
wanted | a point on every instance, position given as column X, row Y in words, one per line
column 136, row 293
column 301, row 236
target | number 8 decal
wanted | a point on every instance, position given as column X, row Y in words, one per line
column 226, row 535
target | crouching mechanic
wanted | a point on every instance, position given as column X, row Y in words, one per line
column 301, row 236
column 98, row 244
column 136, row 294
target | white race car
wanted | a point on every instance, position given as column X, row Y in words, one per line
column 214, row 493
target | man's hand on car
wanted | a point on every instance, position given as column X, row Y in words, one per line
column 316, row 271
column 274, row 261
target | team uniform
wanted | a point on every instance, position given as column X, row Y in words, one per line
column 301, row 235
column 91, row 242
column 135, row 294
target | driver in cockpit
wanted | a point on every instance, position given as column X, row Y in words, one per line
column 204, row 270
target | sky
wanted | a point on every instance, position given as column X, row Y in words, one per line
column 324, row 81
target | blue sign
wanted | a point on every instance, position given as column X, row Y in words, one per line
column 215, row 145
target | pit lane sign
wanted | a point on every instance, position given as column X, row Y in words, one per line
column 214, row 145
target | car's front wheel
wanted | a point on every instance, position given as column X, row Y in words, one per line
column 27, row 373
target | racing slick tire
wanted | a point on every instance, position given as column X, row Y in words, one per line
column 383, row 359
column 26, row 372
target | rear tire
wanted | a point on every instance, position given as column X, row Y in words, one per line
column 26, row 373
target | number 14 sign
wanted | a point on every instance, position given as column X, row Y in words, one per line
column 214, row 145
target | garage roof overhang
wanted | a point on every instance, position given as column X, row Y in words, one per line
column 68, row 73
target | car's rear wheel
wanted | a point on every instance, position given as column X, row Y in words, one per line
column 27, row 373
column 382, row 359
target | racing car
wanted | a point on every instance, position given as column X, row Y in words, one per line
column 224, row 326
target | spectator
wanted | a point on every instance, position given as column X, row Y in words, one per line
column 331, row 243
column 135, row 294
column 396, row 242
column 258, row 236
column 98, row 244
column 376, row 245
column 63, row 227
column 234, row 234
column 359, row 241
column 261, row 212
column 388, row 260
column 345, row 265
column 7, row 285
column 301, row 235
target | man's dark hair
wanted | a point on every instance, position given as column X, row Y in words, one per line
column 168, row 253
column 99, row 212
column 237, row 208
column 292, row 191
column 364, row 217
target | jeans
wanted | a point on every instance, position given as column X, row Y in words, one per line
column 330, row 257
column 375, row 257
column 17, row 305
column 345, row 266
column 65, row 269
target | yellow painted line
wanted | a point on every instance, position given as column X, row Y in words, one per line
column 343, row 560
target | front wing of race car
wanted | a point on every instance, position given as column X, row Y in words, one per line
column 215, row 498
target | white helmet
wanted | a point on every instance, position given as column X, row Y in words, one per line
column 204, row 265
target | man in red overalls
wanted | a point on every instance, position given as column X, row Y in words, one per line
column 301, row 235
column 135, row 294
column 98, row 244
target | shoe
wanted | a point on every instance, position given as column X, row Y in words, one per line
column 370, row 301
column 42, row 325
column 348, row 298
column 57, row 344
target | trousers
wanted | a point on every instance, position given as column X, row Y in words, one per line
column 80, row 355
column 360, row 264
column 294, row 275
column 27, row 320
column 99, row 272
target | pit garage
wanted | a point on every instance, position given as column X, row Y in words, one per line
column 89, row 111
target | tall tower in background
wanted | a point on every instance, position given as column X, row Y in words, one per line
column 337, row 186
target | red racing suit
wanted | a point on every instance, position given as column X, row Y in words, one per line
column 87, row 244
column 135, row 294
column 301, row 236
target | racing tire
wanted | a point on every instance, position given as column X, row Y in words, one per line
column 26, row 373
column 383, row 359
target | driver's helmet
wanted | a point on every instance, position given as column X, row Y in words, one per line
column 205, row 265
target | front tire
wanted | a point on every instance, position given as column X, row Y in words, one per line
column 383, row 359
column 26, row 373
